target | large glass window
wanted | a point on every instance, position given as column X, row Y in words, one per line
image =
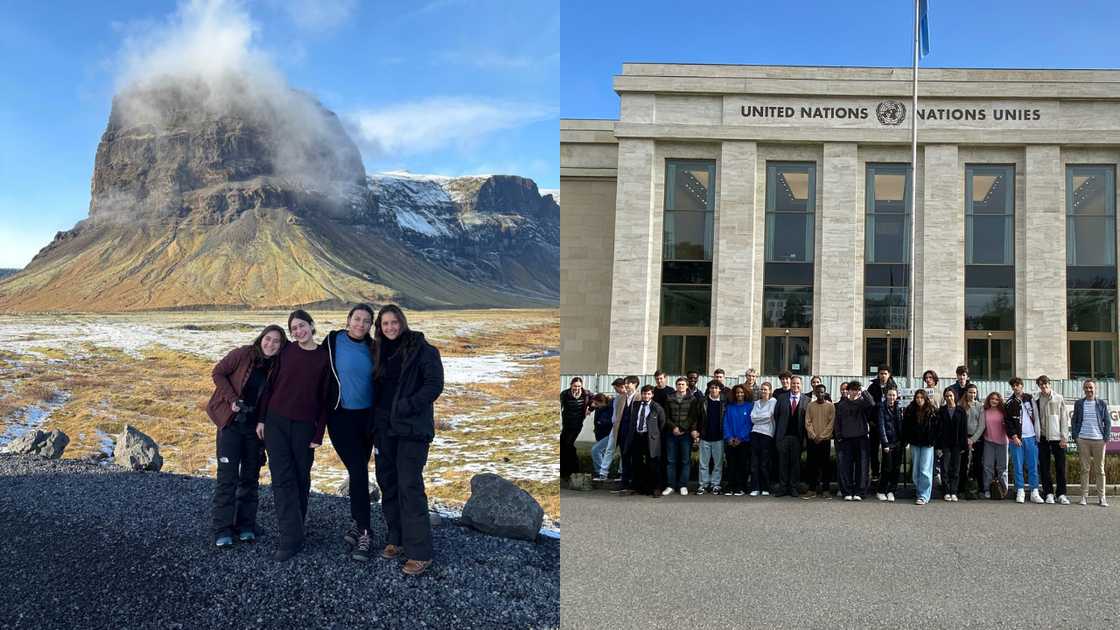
column 886, row 266
column 787, row 316
column 686, row 268
column 989, row 279
column 989, row 214
column 888, row 213
column 1091, row 270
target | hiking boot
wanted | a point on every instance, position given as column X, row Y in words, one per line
column 415, row 567
column 361, row 550
column 390, row 552
column 352, row 534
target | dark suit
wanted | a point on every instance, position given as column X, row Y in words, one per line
column 643, row 448
column 789, row 433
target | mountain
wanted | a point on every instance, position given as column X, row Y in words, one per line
column 4, row 273
column 199, row 200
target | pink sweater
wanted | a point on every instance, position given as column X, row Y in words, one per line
column 993, row 427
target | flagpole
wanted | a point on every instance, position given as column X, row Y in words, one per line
column 912, row 292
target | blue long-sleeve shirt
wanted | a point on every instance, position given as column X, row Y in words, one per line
column 737, row 421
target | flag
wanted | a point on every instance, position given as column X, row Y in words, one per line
column 923, row 20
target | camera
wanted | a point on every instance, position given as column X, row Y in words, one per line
column 244, row 413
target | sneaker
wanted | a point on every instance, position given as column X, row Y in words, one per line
column 987, row 495
column 755, row 493
column 717, row 490
column 283, row 555
column 1103, row 502
column 1049, row 499
column 1063, row 499
column 739, row 493
column 390, row 552
column 765, row 493
column 890, row 497
column 948, row 497
column 1084, row 500
column 666, row 492
column 849, row 498
column 955, row 498
column 700, row 491
column 839, row 494
column 247, row 536
column 684, row 492
column 224, row 542
column 1036, row 498
column 352, row 534
column 856, row 497
column 361, row 550
column 920, row 502
column 598, row 478
column 1020, row 495
column 881, row 496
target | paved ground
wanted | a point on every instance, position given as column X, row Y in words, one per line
column 735, row 562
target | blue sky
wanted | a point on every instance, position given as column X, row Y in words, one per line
column 450, row 87
column 597, row 37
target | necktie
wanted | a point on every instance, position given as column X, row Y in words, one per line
column 642, row 417
column 793, row 405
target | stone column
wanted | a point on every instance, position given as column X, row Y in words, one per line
column 635, row 296
column 939, row 259
column 838, row 267
column 734, row 271
column 1040, row 268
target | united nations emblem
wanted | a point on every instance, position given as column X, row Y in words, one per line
column 890, row 113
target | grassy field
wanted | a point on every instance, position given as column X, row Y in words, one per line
column 89, row 375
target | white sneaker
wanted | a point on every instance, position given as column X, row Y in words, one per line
column 754, row 493
column 955, row 499
column 765, row 493
column 849, row 498
column 856, row 497
column 684, row 492
column 1103, row 502
column 987, row 495
column 1050, row 499
column 1063, row 499
column 839, row 494
column 890, row 497
column 948, row 497
column 881, row 496
column 1084, row 500
column 920, row 502
column 1036, row 498
column 1020, row 495
column 666, row 492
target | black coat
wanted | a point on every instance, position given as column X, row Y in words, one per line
column 786, row 424
column 655, row 424
column 420, row 384
column 954, row 427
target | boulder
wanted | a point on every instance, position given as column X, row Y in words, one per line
column 136, row 451
column 343, row 490
column 579, row 481
column 36, row 442
column 499, row 508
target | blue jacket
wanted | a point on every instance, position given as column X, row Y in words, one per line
column 890, row 423
column 1103, row 420
column 604, row 421
column 737, row 421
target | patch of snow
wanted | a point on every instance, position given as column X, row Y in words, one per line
column 493, row 368
column 33, row 417
column 409, row 220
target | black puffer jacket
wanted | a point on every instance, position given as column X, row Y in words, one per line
column 678, row 412
column 420, row 384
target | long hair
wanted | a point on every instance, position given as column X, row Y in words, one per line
column 258, row 354
column 998, row 404
column 926, row 411
column 735, row 393
column 379, row 338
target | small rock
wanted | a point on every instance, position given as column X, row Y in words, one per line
column 343, row 490
column 136, row 451
column 499, row 508
column 36, row 442
column 579, row 481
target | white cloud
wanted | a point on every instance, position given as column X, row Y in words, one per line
column 319, row 16
column 493, row 60
column 440, row 122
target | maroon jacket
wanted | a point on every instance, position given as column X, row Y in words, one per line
column 230, row 376
column 297, row 388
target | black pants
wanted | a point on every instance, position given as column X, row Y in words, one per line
column 789, row 463
column 818, row 455
column 239, row 470
column 1047, row 450
column 975, row 467
column 400, row 473
column 953, row 459
column 891, row 463
column 851, row 458
column 569, row 459
column 642, row 465
column 738, row 462
column 760, row 461
column 353, row 441
column 872, row 445
column 289, row 460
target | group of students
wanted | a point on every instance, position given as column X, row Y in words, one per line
column 374, row 393
column 955, row 440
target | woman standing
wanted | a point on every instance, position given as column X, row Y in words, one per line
column 293, row 419
column 408, row 377
column 954, row 440
column 350, row 423
column 890, row 439
column 762, row 438
column 920, row 431
column 239, row 381
column 995, row 447
column 737, row 434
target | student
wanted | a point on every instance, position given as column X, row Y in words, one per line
column 995, row 446
column 621, row 430
column 813, row 382
column 890, row 440
column 693, row 380
column 1091, row 428
column 921, row 431
column 605, row 446
column 820, row 416
column 407, row 380
column 1053, row 427
column 1020, row 423
column 737, row 435
column 752, row 383
column 350, row 420
column 929, row 381
column 678, row 438
column 643, row 442
column 851, row 441
column 601, row 407
column 574, row 404
column 972, row 466
column 292, row 421
column 239, row 382
column 877, row 387
column 789, row 432
column 718, row 376
column 954, row 441
column 762, row 440
column 961, row 383
column 707, row 430
column 661, row 393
